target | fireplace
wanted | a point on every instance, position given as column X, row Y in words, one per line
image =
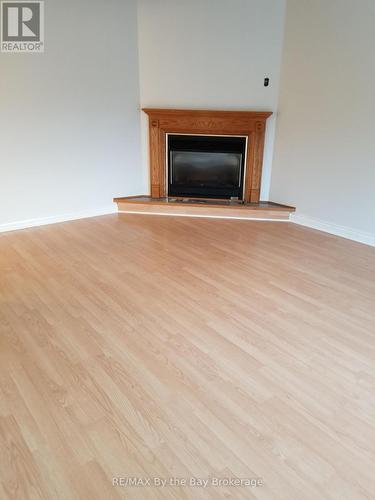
column 206, row 166
column 225, row 163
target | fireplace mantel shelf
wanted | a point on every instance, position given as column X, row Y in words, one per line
column 208, row 112
column 250, row 124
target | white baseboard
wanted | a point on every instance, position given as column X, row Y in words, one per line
column 54, row 219
column 303, row 220
column 329, row 227
column 202, row 216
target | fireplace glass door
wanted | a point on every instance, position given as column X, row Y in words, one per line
column 206, row 166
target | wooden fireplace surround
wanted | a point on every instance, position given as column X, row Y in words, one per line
column 251, row 124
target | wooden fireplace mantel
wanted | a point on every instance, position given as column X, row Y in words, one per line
column 251, row 124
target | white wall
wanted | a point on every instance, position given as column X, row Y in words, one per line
column 69, row 118
column 324, row 160
column 210, row 54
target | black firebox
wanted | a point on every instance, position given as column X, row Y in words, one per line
column 206, row 166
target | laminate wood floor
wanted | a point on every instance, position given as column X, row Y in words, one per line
column 161, row 347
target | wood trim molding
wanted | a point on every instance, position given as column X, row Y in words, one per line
column 184, row 121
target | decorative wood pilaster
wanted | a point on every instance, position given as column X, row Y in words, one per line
column 154, row 158
column 258, row 161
